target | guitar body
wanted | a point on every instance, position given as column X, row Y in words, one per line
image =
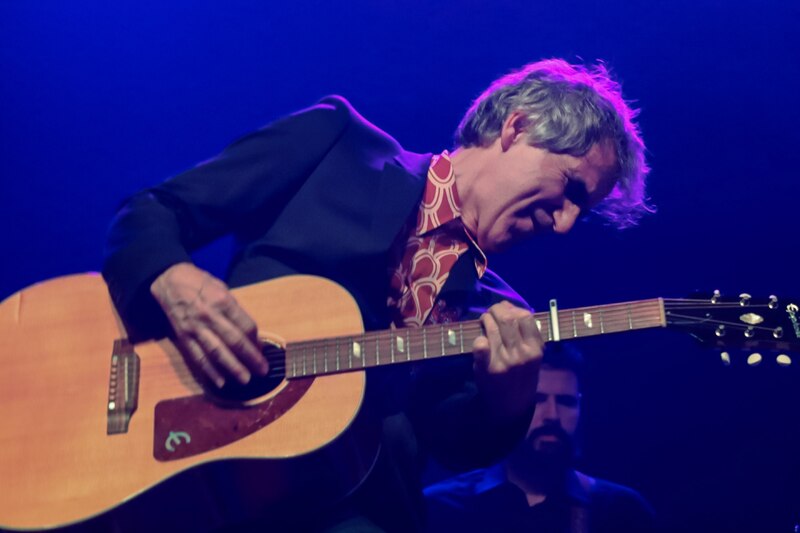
column 101, row 435
column 59, row 466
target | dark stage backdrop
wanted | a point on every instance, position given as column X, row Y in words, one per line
column 99, row 99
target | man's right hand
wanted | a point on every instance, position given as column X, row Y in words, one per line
column 211, row 331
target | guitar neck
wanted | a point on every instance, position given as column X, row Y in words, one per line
column 387, row 347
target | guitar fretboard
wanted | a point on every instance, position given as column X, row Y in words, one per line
column 377, row 348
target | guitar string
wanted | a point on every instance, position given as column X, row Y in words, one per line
column 734, row 325
column 416, row 334
column 278, row 360
column 712, row 305
column 469, row 328
column 652, row 318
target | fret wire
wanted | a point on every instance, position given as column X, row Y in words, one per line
column 461, row 334
column 574, row 326
column 314, row 356
column 363, row 350
column 408, row 345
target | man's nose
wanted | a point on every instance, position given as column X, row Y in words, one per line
column 549, row 409
column 565, row 218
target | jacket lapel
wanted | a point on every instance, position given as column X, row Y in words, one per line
column 400, row 190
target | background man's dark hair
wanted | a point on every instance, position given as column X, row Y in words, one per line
column 564, row 356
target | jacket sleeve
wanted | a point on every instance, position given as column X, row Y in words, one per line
column 452, row 419
column 248, row 183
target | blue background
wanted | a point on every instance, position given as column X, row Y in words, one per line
column 100, row 99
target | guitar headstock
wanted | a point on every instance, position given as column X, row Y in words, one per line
column 755, row 325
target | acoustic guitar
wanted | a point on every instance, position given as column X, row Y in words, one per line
column 90, row 423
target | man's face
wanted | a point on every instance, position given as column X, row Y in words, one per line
column 525, row 190
column 555, row 420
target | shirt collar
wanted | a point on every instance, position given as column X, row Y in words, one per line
column 494, row 478
column 440, row 201
column 441, row 205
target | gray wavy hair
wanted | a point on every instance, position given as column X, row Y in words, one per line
column 568, row 109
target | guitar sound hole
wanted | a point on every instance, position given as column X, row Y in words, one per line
column 258, row 385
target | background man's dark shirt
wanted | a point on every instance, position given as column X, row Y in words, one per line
column 484, row 501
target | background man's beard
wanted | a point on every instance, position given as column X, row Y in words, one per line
column 547, row 461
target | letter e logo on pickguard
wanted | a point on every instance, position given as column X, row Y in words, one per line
column 176, row 438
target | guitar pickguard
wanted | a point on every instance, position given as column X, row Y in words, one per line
column 192, row 425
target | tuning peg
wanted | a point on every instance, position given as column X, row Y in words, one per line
column 720, row 331
column 777, row 332
column 715, row 297
column 754, row 359
column 744, row 299
column 749, row 332
column 773, row 301
column 726, row 358
column 783, row 360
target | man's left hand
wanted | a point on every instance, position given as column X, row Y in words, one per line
column 507, row 360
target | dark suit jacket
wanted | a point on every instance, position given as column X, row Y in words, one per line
column 320, row 192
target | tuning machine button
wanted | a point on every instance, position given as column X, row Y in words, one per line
column 726, row 358
column 751, row 318
column 783, row 360
column 754, row 359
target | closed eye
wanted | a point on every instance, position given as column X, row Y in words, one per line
column 575, row 191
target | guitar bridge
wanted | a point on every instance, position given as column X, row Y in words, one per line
column 123, row 387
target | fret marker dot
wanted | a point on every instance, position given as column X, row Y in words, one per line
column 451, row 337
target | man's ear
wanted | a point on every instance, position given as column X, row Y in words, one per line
column 514, row 126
